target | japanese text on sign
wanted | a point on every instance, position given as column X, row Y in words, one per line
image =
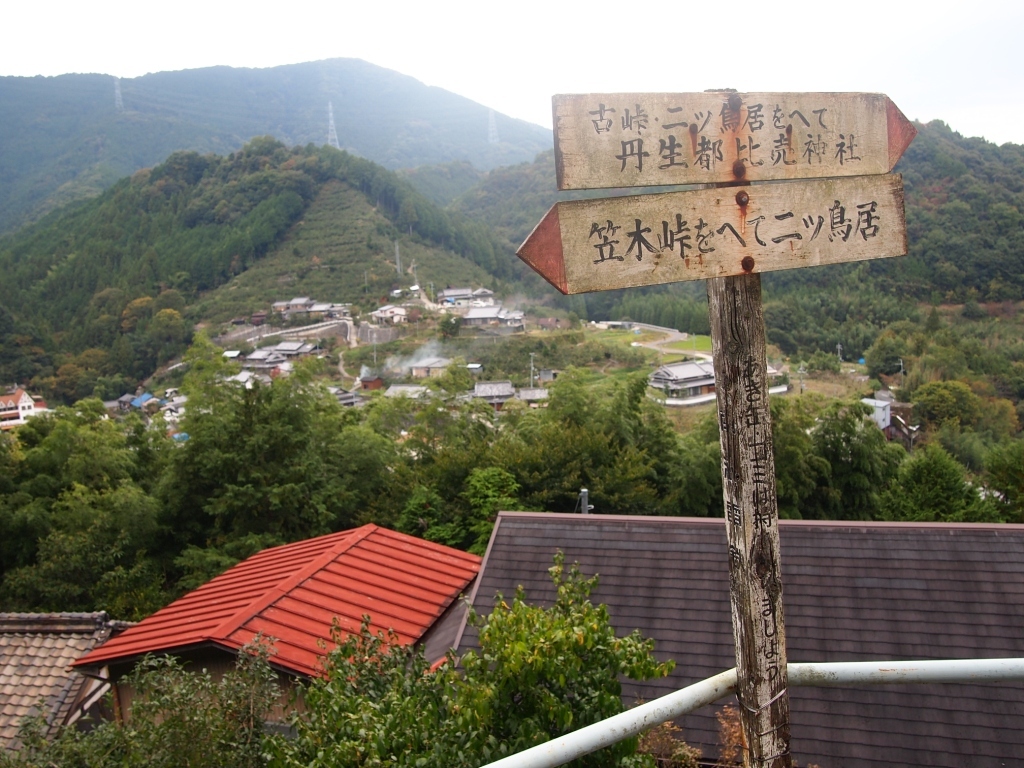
column 608, row 140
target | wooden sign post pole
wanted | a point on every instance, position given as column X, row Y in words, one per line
column 751, row 515
column 848, row 207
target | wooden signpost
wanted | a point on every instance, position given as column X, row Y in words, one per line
column 624, row 242
column 729, row 231
column 658, row 139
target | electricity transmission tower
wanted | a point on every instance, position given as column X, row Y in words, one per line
column 118, row 103
column 332, row 134
column 492, row 129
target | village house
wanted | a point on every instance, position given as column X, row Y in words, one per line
column 371, row 382
column 482, row 297
column 17, row 406
column 693, row 381
column 457, row 297
column 854, row 591
column 689, row 378
column 893, row 418
column 36, row 650
column 305, row 307
column 410, row 391
column 249, row 378
column 532, row 396
column 276, row 357
column 173, row 411
column 389, row 314
column 494, row 315
column 293, row 593
column 346, row 397
column 265, row 359
column 430, row 367
column 494, row 393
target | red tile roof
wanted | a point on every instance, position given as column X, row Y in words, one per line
column 293, row 592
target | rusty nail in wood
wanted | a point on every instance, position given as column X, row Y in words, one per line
column 748, row 261
column 742, row 198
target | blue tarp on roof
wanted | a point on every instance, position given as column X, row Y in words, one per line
column 141, row 400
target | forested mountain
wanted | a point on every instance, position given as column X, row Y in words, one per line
column 67, row 137
column 100, row 288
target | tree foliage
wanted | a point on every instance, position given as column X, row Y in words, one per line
column 539, row 673
column 180, row 718
column 931, row 487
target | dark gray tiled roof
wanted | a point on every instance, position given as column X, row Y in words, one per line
column 852, row 592
column 500, row 389
column 36, row 650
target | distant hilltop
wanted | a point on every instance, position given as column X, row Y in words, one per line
column 71, row 136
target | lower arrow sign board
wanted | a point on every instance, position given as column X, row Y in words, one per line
column 599, row 245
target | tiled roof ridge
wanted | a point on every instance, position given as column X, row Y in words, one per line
column 223, row 632
column 54, row 622
column 717, row 521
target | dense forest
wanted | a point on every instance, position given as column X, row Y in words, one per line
column 95, row 295
column 68, row 138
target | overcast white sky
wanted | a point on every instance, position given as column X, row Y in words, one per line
column 960, row 62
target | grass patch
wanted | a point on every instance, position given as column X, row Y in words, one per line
column 703, row 344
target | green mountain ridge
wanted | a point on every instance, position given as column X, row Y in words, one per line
column 64, row 139
column 98, row 293
column 229, row 235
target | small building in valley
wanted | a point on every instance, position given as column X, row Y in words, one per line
column 494, row 393
column 429, row 367
column 17, row 406
column 694, row 380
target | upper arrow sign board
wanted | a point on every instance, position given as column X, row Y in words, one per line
column 658, row 139
column 623, row 242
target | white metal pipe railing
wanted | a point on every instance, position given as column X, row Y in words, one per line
column 637, row 720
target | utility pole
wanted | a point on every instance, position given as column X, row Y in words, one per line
column 901, row 373
column 412, row 266
column 802, row 370
column 492, row 129
column 366, row 283
column 839, row 352
column 398, row 260
column 332, row 134
column 584, row 501
column 118, row 103
column 531, row 368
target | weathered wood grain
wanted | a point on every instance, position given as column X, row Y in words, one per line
column 655, row 139
column 751, row 513
column 599, row 245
